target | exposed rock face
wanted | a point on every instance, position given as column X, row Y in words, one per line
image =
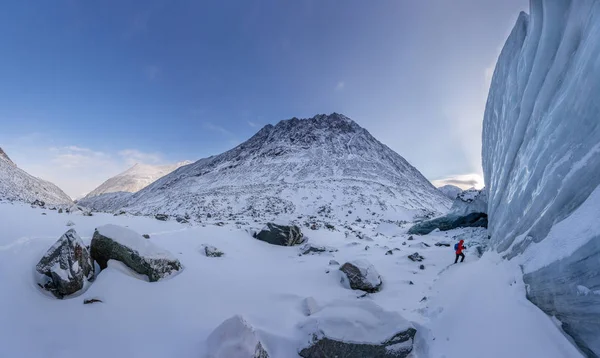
column 416, row 257
column 541, row 160
column 235, row 338
column 67, row 265
column 281, row 235
column 361, row 275
column 357, row 329
column 112, row 242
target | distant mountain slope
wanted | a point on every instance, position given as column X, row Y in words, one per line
column 16, row 184
column 451, row 191
column 325, row 165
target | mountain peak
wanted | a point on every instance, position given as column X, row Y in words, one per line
column 4, row 156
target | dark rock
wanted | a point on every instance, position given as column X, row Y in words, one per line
column 450, row 222
column 404, row 243
column 161, row 217
column 423, row 299
column 39, row 203
column 181, row 220
column 66, row 265
column 60, row 211
column 208, row 216
column 330, row 227
column 389, row 252
column 281, row 235
column 220, row 223
column 426, row 244
column 308, row 249
column 422, row 267
column 111, row 242
column 120, row 213
column 361, row 275
column 43, row 213
column 416, row 257
column 146, row 236
column 410, row 238
column 93, row 300
column 211, row 251
column 440, row 244
column 367, row 247
column 411, row 283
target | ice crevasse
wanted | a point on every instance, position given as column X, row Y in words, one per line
column 541, row 160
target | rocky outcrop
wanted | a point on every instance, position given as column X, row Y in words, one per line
column 361, row 275
column 235, row 338
column 112, row 242
column 211, row 251
column 66, row 266
column 309, row 249
column 357, row 329
column 281, row 235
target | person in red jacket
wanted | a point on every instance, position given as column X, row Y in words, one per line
column 459, row 251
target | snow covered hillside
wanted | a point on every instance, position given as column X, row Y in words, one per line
column 327, row 165
column 451, row 191
column 541, row 158
column 261, row 293
column 16, row 184
column 132, row 180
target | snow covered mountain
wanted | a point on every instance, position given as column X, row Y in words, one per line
column 541, row 159
column 451, row 191
column 132, row 180
column 327, row 165
column 16, row 184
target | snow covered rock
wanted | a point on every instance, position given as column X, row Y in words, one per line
column 310, row 306
column 541, row 159
column 356, row 329
column 70, row 223
column 211, row 251
column 281, row 235
column 161, row 217
column 361, row 275
column 308, row 249
column 451, row 191
column 18, row 185
column 66, row 265
column 416, row 257
column 235, row 338
column 112, row 242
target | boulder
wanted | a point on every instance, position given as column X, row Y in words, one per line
column 39, row 203
column 60, row 211
column 416, row 257
column 235, row 338
column 308, row 249
column 211, row 251
column 361, row 275
column 356, row 329
column 66, row 265
column 281, row 235
column 389, row 252
column 146, row 236
column 442, row 243
column 70, row 223
column 112, row 242
column 161, row 217
column 181, row 220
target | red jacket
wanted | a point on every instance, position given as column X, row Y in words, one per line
column 460, row 247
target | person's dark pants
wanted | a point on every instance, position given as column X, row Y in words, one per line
column 458, row 255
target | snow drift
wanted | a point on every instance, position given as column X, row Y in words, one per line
column 541, row 159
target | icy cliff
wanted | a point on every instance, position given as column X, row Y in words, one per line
column 541, row 159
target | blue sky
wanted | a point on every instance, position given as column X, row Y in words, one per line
column 88, row 88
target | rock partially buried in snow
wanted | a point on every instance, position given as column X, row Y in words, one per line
column 308, row 249
column 112, row 242
column 211, row 251
column 416, row 257
column 70, row 223
column 235, row 338
column 333, row 263
column 357, row 329
column 161, row 217
column 310, row 306
column 281, row 235
column 361, row 275
column 66, row 265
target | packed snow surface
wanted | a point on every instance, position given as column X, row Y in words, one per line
column 453, row 307
column 18, row 185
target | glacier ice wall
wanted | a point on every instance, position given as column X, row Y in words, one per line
column 541, row 160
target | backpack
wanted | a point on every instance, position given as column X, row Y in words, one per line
column 455, row 247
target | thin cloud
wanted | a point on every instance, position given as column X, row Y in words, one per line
column 465, row 181
column 252, row 124
column 216, row 128
column 134, row 156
